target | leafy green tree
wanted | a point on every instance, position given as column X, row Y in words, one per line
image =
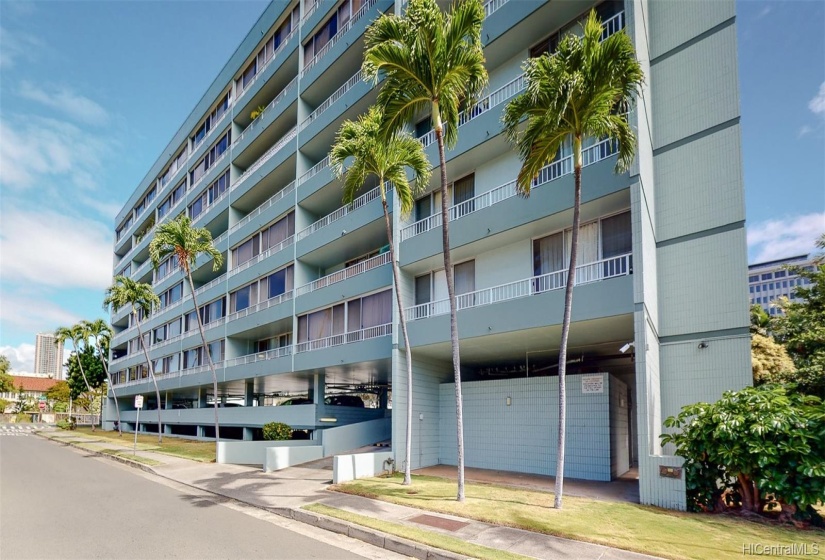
column 92, row 377
column 6, row 378
column 581, row 91
column 432, row 62
column 760, row 449
column 59, row 392
column 179, row 238
column 801, row 328
column 142, row 299
column 4, row 404
column 770, row 361
column 387, row 156
column 100, row 331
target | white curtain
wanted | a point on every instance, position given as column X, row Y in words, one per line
column 465, row 277
column 548, row 254
column 376, row 309
column 439, row 285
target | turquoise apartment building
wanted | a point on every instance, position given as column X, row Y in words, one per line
column 302, row 312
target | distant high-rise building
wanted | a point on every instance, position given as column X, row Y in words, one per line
column 48, row 356
column 768, row 281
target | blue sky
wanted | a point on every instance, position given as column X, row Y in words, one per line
column 91, row 92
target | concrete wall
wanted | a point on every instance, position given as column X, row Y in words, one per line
column 345, row 438
column 278, row 458
column 523, row 436
column 252, row 452
column 362, row 465
column 619, row 428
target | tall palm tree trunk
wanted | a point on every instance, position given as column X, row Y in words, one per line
column 565, row 325
column 86, row 381
column 205, row 351
column 154, row 380
column 448, row 272
column 396, row 276
column 109, row 379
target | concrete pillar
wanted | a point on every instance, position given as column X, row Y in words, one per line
column 317, row 388
column 200, row 432
column 383, row 397
column 201, row 397
column 249, row 399
column 247, row 434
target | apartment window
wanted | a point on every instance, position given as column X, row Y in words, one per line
column 273, row 343
column 125, row 271
column 177, row 162
column 172, row 199
column 779, row 274
column 167, row 267
column 211, row 120
column 219, row 187
column 767, row 276
column 362, row 258
column 330, row 28
column 124, row 227
column 432, row 287
column 263, row 240
column 195, row 357
column 244, row 297
column 321, row 324
column 751, row 289
column 464, row 191
column 546, row 46
column 616, row 235
column 753, row 278
column 423, row 126
column 280, row 282
column 171, row 295
column 209, row 159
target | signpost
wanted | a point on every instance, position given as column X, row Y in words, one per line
column 138, row 406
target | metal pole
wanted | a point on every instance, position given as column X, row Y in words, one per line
column 137, row 425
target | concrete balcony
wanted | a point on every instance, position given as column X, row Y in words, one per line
column 264, row 313
column 345, row 221
column 367, row 276
column 365, row 345
column 247, row 98
column 271, row 160
column 273, row 111
column 269, row 260
column 500, row 210
column 276, row 205
column 314, row 179
column 218, row 128
column 603, row 289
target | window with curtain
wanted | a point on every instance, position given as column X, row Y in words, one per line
column 616, row 235
column 280, row 282
column 465, row 277
column 464, row 190
column 422, row 289
column 375, row 310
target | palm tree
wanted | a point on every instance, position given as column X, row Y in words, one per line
column 100, row 330
column 140, row 296
column 582, row 91
column 432, row 62
column 179, row 238
column 76, row 334
column 387, row 156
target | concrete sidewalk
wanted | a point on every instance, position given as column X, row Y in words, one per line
column 287, row 491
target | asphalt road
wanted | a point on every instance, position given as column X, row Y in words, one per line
column 59, row 502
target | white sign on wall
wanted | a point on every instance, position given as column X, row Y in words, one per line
column 592, row 384
column 138, row 401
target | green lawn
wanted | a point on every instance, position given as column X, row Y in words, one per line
column 633, row 527
column 203, row 451
column 437, row 540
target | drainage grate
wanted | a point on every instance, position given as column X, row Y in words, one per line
column 439, row 522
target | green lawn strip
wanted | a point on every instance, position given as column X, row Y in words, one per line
column 634, row 527
column 202, row 451
column 423, row 536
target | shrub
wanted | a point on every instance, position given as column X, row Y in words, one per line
column 66, row 425
column 257, row 112
column 760, row 450
column 23, row 417
column 277, row 431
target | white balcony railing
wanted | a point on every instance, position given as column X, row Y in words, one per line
column 551, row 172
column 349, row 84
column 337, row 37
column 251, row 127
column 259, row 357
column 210, row 284
column 492, row 6
column 612, row 25
column 362, row 200
column 314, row 170
column 345, row 338
column 344, row 274
column 268, row 154
column 269, row 202
column 261, row 256
column 214, row 126
column 266, row 64
column 586, row 273
column 266, row 304
column 168, row 341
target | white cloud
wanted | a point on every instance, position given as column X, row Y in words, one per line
column 54, row 249
column 17, row 45
column 20, row 357
column 817, row 104
column 63, row 99
column 763, row 12
column 38, row 150
column 785, row 237
column 804, row 130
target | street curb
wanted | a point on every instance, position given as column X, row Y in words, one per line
column 358, row 532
